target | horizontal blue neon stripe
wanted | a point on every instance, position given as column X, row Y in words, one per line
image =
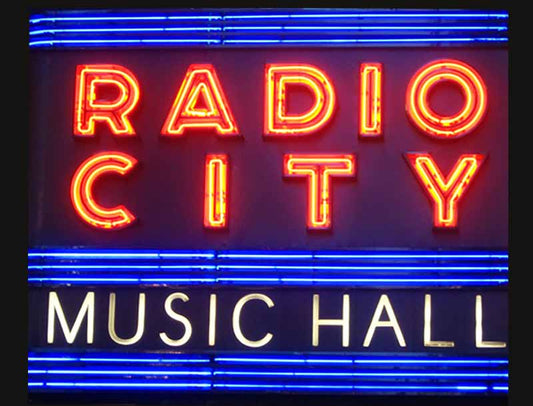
column 125, row 41
column 420, row 388
column 380, row 374
column 197, row 41
column 413, row 268
column 149, row 29
column 275, row 269
column 119, row 267
column 392, row 14
column 256, row 255
column 259, row 386
column 264, row 359
column 367, row 255
column 364, row 40
column 370, row 28
column 285, row 373
column 270, row 28
column 286, row 360
column 129, row 385
column 126, row 18
column 105, row 254
column 116, row 360
column 256, row 386
column 274, row 281
column 413, row 256
column 116, row 372
column 101, row 385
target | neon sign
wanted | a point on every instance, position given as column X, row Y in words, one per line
column 384, row 320
column 201, row 104
column 291, row 201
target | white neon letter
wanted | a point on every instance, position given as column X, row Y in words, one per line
column 178, row 317
column 427, row 327
column 140, row 321
column 384, row 304
column 54, row 307
column 479, row 329
column 344, row 322
column 237, row 317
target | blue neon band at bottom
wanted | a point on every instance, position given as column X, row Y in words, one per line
column 364, row 374
column 116, row 372
column 302, row 387
column 229, row 373
column 133, row 385
column 272, row 360
column 87, row 359
column 352, row 387
column 262, row 360
column 301, row 373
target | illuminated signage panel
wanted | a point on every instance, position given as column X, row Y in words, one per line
column 309, row 214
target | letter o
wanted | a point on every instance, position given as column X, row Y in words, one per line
column 446, row 127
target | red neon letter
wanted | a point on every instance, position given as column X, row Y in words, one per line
column 370, row 114
column 216, row 186
column 115, row 113
column 444, row 193
column 81, row 190
column 185, row 113
column 472, row 86
column 319, row 168
column 277, row 121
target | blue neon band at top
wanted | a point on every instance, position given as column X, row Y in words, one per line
column 265, row 41
column 269, row 28
column 391, row 14
column 264, row 27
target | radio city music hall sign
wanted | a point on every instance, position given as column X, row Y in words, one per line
column 201, row 108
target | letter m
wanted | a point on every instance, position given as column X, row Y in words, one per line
column 87, row 308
